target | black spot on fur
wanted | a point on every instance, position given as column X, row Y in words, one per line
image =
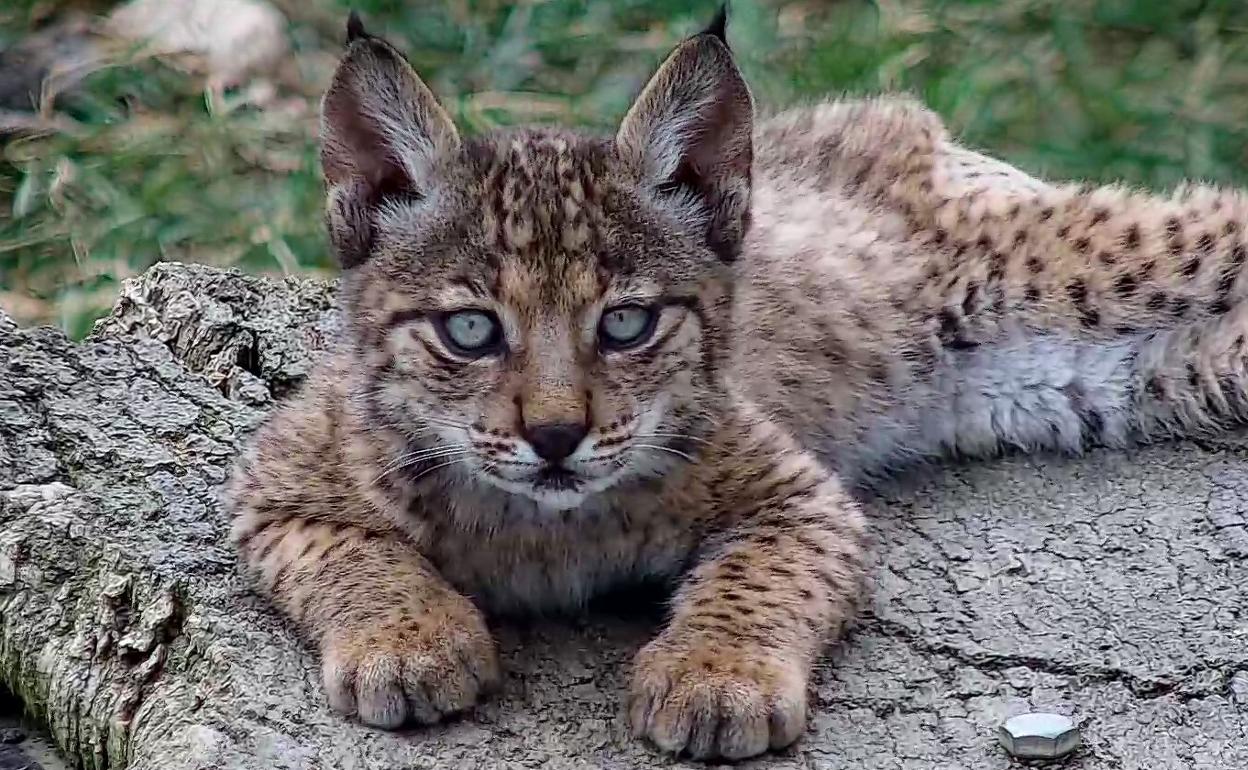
column 972, row 295
column 1088, row 316
column 951, row 331
column 1226, row 284
column 1131, row 238
column 948, row 322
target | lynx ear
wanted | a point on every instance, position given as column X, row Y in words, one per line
column 689, row 136
column 382, row 136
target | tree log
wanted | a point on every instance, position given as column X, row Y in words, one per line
column 1113, row 587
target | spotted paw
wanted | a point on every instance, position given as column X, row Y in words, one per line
column 409, row 668
column 709, row 700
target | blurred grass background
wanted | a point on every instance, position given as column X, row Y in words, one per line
column 144, row 166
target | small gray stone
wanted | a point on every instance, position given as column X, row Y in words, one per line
column 1039, row 736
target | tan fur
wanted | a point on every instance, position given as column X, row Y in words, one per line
column 845, row 293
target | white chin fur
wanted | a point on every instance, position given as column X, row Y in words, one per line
column 546, row 499
column 555, row 499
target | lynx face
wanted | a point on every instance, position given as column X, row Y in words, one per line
column 536, row 310
column 551, row 326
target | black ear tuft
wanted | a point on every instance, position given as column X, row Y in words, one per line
column 718, row 28
column 355, row 28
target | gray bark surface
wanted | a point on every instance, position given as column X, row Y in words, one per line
column 1113, row 588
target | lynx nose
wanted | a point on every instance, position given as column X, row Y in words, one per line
column 555, row 441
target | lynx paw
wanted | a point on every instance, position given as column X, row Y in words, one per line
column 709, row 700
column 408, row 667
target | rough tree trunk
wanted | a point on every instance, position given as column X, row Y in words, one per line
column 1114, row 588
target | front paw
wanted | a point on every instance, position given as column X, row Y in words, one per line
column 410, row 665
column 711, row 699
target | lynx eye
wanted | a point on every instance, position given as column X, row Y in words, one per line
column 626, row 326
column 470, row 332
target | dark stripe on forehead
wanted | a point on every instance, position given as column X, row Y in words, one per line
column 400, row 317
column 689, row 301
column 476, row 284
column 495, row 269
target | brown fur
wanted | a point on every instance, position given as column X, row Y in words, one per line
column 842, row 290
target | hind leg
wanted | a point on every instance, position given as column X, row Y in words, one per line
column 1193, row 379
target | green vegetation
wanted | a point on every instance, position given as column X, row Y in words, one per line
column 1143, row 91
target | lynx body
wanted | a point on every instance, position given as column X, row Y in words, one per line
column 572, row 363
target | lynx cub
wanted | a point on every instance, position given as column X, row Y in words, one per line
column 572, row 362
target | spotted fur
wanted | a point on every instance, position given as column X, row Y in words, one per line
column 839, row 291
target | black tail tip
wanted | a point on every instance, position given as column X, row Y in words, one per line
column 718, row 28
column 355, row 28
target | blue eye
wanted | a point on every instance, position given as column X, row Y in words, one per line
column 473, row 332
column 626, row 326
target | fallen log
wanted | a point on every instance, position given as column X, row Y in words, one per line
column 1113, row 588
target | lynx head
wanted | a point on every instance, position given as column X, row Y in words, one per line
column 539, row 310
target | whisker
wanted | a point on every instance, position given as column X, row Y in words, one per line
column 415, row 458
column 668, row 449
column 427, row 471
column 423, row 456
column 683, row 436
column 445, row 422
column 435, row 448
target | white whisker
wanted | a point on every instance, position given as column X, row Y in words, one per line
column 422, row 454
column 445, row 422
column 683, row 436
column 407, row 461
column 436, row 447
column 668, row 449
column 427, row 471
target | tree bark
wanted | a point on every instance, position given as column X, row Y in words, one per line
column 1113, row 588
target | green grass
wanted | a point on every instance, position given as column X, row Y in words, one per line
column 1143, row 91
